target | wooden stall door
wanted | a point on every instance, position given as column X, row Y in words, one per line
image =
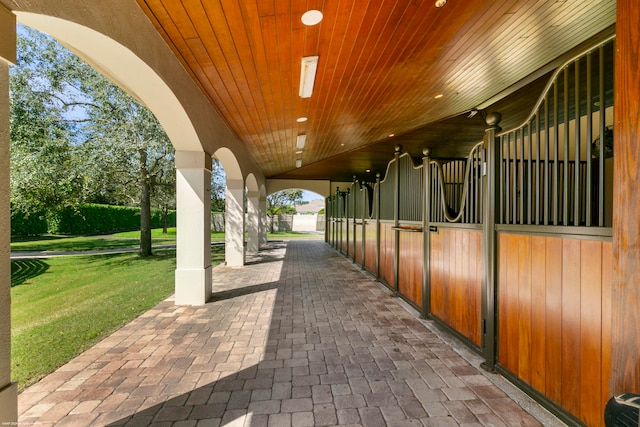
column 410, row 267
column 370, row 246
column 554, row 302
column 456, row 280
column 387, row 254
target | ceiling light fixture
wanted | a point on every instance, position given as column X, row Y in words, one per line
column 308, row 75
column 438, row 96
column 298, row 163
column 391, row 135
column 440, row 3
column 300, row 142
column 301, row 119
column 311, row 17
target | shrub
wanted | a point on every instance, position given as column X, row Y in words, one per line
column 25, row 224
column 103, row 219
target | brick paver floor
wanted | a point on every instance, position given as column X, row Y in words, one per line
column 300, row 336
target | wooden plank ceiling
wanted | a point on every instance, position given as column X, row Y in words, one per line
column 381, row 65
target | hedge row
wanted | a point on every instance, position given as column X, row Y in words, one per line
column 86, row 220
column 25, row 225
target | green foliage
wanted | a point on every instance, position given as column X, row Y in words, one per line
column 283, row 202
column 27, row 224
column 101, row 219
column 77, row 138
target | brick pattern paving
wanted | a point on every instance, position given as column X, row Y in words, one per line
column 297, row 337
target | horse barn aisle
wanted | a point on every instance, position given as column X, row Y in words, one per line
column 299, row 336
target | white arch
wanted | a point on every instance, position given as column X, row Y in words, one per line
column 234, row 224
column 321, row 187
column 253, row 214
column 126, row 69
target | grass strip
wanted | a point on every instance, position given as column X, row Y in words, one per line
column 74, row 302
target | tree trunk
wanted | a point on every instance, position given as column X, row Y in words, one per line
column 165, row 213
column 145, row 207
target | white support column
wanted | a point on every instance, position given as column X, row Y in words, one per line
column 264, row 220
column 253, row 222
column 234, row 223
column 193, row 254
column 8, row 390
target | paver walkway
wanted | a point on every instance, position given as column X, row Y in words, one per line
column 299, row 336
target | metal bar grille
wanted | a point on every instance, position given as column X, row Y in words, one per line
column 387, row 192
column 554, row 168
column 411, row 189
column 456, row 188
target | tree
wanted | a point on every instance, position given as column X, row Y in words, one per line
column 218, row 186
column 79, row 115
column 44, row 177
column 282, row 202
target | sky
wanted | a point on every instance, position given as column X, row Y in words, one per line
column 308, row 196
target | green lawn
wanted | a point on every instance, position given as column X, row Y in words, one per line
column 63, row 305
column 66, row 304
column 128, row 239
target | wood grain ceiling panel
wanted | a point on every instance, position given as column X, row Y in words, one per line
column 381, row 64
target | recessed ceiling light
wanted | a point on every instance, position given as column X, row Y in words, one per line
column 298, row 163
column 438, row 96
column 391, row 135
column 299, row 152
column 440, row 3
column 368, row 170
column 301, row 119
column 311, row 17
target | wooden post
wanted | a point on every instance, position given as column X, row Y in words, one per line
column 625, row 292
column 426, row 234
column 489, row 250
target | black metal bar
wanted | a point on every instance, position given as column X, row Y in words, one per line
column 376, row 201
column 565, row 172
column 426, row 235
column 493, row 146
column 501, row 180
column 514, row 185
column 589, row 112
column 576, row 184
column 538, row 201
column 396, row 221
column 602, row 108
column 507, row 185
column 545, row 175
column 556, row 151
column 521, row 189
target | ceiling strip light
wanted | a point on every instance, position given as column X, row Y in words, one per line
column 308, row 75
column 300, row 142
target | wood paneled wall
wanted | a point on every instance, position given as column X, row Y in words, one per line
column 456, row 280
column 410, row 267
column 387, row 253
column 357, row 238
column 554, row 319
column 370, row 246
column 344, row 236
